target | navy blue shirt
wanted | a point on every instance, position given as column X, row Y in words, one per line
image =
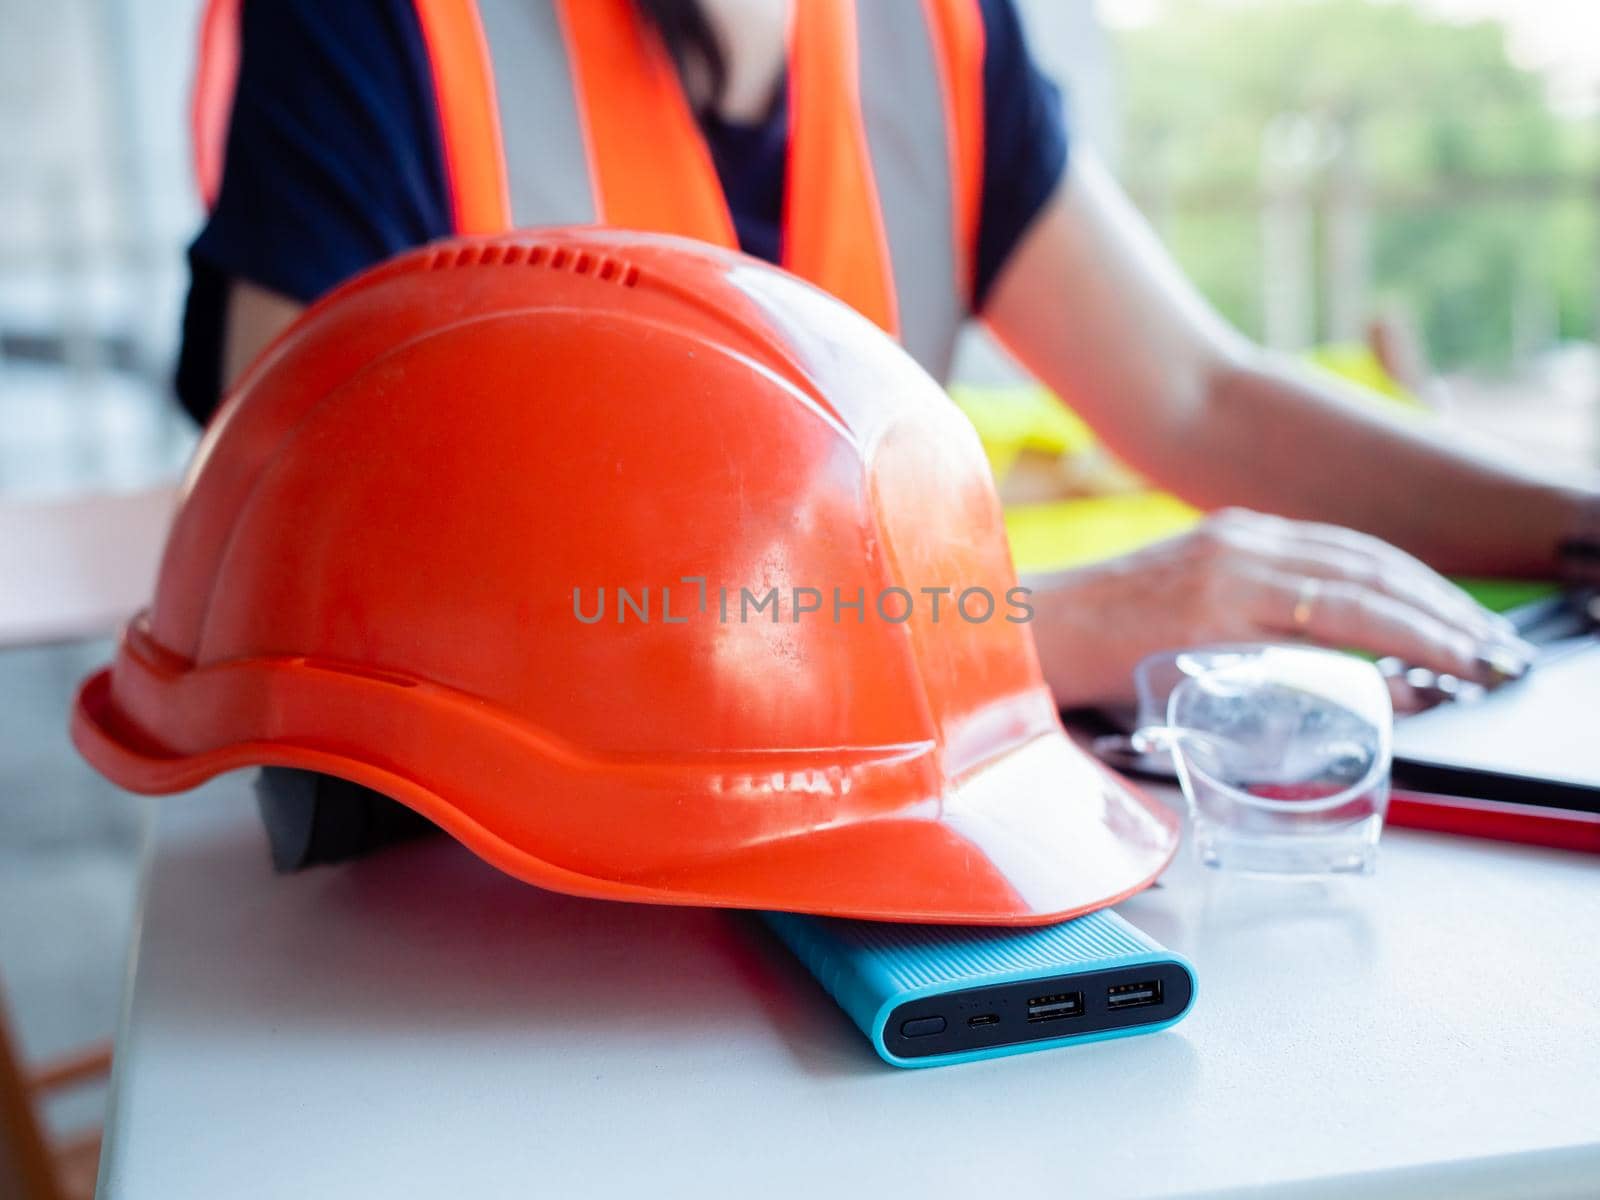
column 334, row 161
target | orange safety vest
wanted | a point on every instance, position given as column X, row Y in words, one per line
column 560, row 112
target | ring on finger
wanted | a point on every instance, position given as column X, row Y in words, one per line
column 1305, row 601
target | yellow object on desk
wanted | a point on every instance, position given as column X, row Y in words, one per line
column 1085, row 505
column 1355, row 362
column 1100, row 509
column 1012, row 418
column 1069, row 533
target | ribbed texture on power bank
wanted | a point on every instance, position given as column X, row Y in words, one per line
column 881, row 960
column 917, row 956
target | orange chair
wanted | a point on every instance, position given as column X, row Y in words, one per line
column 33, row 1166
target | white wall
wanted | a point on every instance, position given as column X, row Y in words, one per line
column 95, row 210
column 95, row 205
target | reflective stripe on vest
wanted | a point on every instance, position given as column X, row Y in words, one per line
column 900, row 88
column 547, row 176
column 557, row 112
column 885, row 153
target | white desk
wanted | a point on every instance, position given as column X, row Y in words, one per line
column 418, row 1025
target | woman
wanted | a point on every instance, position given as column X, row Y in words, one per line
column 345, row 145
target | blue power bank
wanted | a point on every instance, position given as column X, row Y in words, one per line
column 930, row 995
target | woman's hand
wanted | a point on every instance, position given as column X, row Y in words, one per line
column 1242, row 576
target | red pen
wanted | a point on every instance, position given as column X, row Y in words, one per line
column 1499, row 820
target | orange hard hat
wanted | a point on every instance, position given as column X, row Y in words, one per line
column 646, row 570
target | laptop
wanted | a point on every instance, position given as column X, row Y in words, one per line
column 1534, row 741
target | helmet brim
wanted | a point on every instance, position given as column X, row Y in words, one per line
column 1039, row 834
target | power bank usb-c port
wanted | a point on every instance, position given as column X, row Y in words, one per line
column 982, row 1019
column 1134, row 995
column 1055, row 1006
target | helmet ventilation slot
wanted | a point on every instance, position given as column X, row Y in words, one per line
column 556, row 258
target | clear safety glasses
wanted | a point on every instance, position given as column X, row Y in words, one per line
column 1282, row 752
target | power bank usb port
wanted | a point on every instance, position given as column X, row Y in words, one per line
column 1134, row 995
column 1056, row 1006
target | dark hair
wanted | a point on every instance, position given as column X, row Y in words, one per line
column 692, row 43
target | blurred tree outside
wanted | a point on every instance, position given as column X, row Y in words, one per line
column 1431, row 170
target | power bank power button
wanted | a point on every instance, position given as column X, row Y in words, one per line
column 922, row 1027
